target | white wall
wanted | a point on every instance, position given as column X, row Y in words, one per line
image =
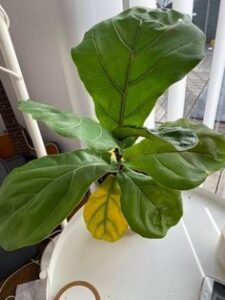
column 43, row 33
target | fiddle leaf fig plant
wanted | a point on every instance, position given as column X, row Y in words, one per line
column 125, row 63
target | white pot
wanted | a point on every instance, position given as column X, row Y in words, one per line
column 221, row 249
column 136, row 268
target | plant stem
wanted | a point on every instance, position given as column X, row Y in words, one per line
column 117, row 155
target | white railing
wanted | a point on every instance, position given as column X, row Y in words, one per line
column 13, row 69
column 176, row 93
column 217, row 70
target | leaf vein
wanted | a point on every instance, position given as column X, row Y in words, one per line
column 103, row 66
column 151, row 69
column 121, row 38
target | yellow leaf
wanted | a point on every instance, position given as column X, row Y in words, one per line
column 102, row 212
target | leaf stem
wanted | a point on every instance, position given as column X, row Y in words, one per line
column 117, row 154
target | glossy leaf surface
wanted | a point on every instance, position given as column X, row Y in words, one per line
column 102, row 212
column 149, row 208
column 69, row 125
column 179, row 170
column 128, row 61
column 180, row 138
column 36, row 197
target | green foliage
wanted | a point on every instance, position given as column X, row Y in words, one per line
column 35, row 198
column 150, row 209
column 180, row 138
column 126, row 63
column 69, row 125
column 179, row 170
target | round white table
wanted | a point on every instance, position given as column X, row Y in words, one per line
column 135, row 268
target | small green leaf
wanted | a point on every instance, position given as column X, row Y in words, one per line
column 179, row 170
column 69, row 125
column 149, row 208
column 102, row 212
column 35, row 198
column 180, row 138
column 128, row 61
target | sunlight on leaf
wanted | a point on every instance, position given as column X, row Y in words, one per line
column 180, row 138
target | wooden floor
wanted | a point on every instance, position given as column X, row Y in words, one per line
column 197, row 82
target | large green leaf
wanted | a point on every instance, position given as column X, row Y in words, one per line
column 128, row 61
column 180, row 138
column 149, row 208
column 35, row 198
column 69, row 125
column 179, row 170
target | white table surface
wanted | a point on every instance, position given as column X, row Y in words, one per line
column 135, row 268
